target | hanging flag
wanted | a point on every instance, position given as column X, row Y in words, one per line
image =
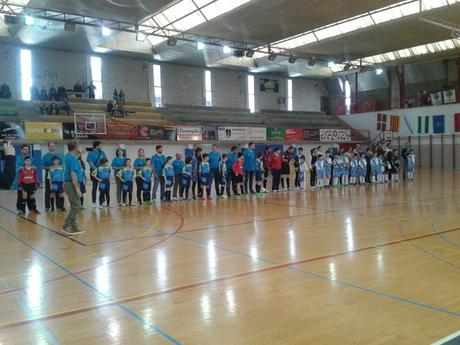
column 394, row 123
column 438, row 124
column 457, row 122
column 381, row 122
column 423, row 124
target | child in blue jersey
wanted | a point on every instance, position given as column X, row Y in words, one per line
column 303, row 167
column 138, row 164
column 178, row 165
column 410, row 165
column 260, row 172
column 345, row 169
column 126, row 176
column 205, row 176
column 382, row 171
column 319, row 165
column 362, row 168
column 168, row 175
column 102, row 175
column 56, row 177
column 337, row 173
column 186, row 176
column 146, row 175
column 223, row 177
column 327, row 169
column 375, row 168
column 354, row 169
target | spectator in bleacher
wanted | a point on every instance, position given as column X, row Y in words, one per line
column 66, row 107
column 115, row 96
column 5, row 91
column 9, row 173
column 91, row 90
column 42, row 107
column 110, row 108
column 121, row 110
column 122, row 97
column 43, row 94
column 34, row 94
column 52, row 93
column 426, row 99
column 78, row 88
column 52, row 108
column 61, row 93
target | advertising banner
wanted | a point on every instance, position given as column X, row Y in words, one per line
column 189, row 134
column 43, row 130
column 68, row 132
column 335, row 135
column 256, row 134
column 170, row 133
column 146, row 132
column 209, row 133
column 294, row 134
column 11, row 131
column 232, row 133
column 276, row 134
column 121, row 130
column 311, row 134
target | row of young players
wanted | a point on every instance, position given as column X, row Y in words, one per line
column 347, row 169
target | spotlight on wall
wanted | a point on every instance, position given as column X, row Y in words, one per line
column 227, row 50
column 250, row 53
column 312, row 61
column 379, row 71
column 272, row 56
column 292, row 59
column 29, row 20
column 105, row 31
column 331, row 64
column 200, row 46
column 70, row 26
column 172, row 41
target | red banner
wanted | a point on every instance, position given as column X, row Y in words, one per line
column 294, row 134
column 457, row 122
column 121, row 130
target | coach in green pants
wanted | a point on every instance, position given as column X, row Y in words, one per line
column 73, row 177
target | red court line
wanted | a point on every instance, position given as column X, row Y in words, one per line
column 218, row 280
column 182, row 221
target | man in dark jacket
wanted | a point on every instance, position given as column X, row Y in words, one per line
column 404, row 153
column 9, row 171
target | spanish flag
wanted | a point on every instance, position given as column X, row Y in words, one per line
column 394, row 123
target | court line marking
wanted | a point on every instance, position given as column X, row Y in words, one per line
column 94, row 289
column 167, row 237
column 27, row 311
column 125, row 242
column 217, row 280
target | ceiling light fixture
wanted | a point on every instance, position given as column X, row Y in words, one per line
column 172, row 41
column 379, row 71
column 272, row 56
column 200, row 46
column 331, row 64
column 227, row 50
column 250, row 53
column 29, row 20
column 70, row 26
column 105, row 31
column 292, row 59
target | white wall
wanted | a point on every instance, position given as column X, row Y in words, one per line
column 408, row 120
column 9, row 68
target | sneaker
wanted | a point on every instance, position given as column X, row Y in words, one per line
column 47, row 210
column 62, row 209
column 123, row 205
column 264, row 190
column 208, row 197
column 21, row 213
column 94, row 205
column 82, row 208
column 101, row 206
column 35, row 212
column 108, row 206
column 72, row 231
column 259, row 195
column 224, row 196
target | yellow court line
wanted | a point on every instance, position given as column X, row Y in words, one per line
column 452, row 249
column 156, row 221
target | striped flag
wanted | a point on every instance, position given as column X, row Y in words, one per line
column 394, row 123
column 438, row 124
column 457, row 122
column 423, row 124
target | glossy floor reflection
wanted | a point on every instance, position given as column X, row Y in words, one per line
column 366, row 265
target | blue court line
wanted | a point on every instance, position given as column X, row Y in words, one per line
column 444, row 238
column 325, row 278
column 426, row 251
column 93, row 289
column 27, row 311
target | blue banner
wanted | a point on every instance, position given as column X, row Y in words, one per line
column 438, row 124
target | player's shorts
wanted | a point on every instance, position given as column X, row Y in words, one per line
column 104, row 185
column 57, row 187
column 146, row 186
column 128, row 186
column 205, row 179
column 259, row 176
column 169, row 181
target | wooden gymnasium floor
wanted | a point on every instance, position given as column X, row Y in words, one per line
column 369, row 265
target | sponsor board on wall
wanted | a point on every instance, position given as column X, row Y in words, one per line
column 294, row 134
column 269, row 85
column 311, row 134
column 436, row 98
column 170, row 133
column 147, row 132
column 189, row 134
column 121, row 130
column 277, row 134
column 449, row 96
column 209, row 133
column 242, row 133
column 11, row 131
column 335, row 135
column 43, row 130
column 68, row 133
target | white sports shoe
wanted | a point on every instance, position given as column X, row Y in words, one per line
column 94, row 205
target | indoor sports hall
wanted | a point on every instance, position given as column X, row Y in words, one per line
column 244, row 172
